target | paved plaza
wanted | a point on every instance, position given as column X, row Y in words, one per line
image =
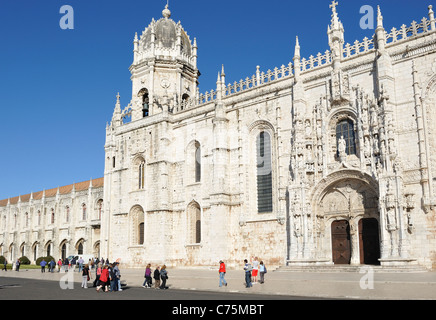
column 365, row 284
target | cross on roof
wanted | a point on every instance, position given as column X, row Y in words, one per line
column 333, row 5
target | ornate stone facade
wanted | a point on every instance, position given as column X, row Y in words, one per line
column 328, row 160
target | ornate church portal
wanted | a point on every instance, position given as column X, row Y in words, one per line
column 350, row 207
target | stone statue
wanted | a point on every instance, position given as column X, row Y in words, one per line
column 342, row 145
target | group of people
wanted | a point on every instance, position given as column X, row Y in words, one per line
column 159, row 274
column 252, row 271
column 51, row 265
column 107, row 277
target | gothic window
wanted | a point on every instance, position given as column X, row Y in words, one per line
column 52, row 216
column 137, row 225
column 39, row 217
column 27, row 219
column 345, row 129
column 99, row 208
column 194, row 221
column 141, row 175
column 64, row 251
column 145, row 102
column 67, row 214
column 185, row 99
column 83, row 211
column 80, row 248
column 141, row 233
column 264, row 173
column 197, row 163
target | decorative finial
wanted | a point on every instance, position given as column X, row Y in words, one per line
column 333, row 6
column 379, row 18
column 166, row 12
column 297, row 49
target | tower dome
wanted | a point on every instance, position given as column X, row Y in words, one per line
column 164, row 69
column 165, row 37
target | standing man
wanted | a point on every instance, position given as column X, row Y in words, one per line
column 43, row 264
column 80, row 261
column 222, row 273
column 5, row 265
column 247, row 269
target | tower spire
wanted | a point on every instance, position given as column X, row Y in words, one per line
column 336, row 37
column 380, row 32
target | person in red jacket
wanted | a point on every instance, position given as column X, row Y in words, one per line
column 222, row 273
column 104, row 276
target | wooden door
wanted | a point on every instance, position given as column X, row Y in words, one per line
column 341, row 244
column 369, row 242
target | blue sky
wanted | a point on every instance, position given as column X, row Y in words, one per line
column 58, row 87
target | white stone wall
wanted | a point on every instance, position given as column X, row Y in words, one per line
column 39, row 233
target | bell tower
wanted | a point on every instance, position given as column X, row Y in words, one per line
column 164, row 69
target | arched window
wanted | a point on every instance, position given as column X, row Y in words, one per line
column 137, row 225
column 141, row 233
column 67, row 214
column 83, row 211
column 99, row 208
column 197, row 162
column 145, row 102
column 264, row 173
column 141, row 175
column 194, row 223
column 185, row 101
column 345, row 129
column 80, row 248
column 64, row 251
column 52, row 216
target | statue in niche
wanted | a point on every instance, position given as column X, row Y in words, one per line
column 308, row 129
column 391, row 221
column 367, row 148
column 374, row 120
column 320, row 155
column 342, row 145
column 309, row 153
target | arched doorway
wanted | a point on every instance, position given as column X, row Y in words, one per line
column 348, row 218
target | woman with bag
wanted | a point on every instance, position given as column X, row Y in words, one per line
column 147, row 276
column 85, row 277
column 262, row 271
column 164, row 277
